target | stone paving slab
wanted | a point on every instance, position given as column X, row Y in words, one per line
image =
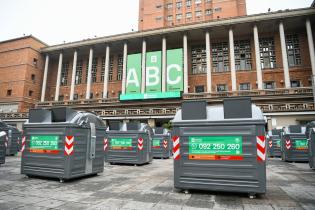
column 289, row 186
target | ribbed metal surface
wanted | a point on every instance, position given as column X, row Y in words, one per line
column 60, row 165
column 14, row 138
column 2, row 149
column 161, row 151
column 131, row 155
column 293, row 154
column 311, row 148
column 247, row 175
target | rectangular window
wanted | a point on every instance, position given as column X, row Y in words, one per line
column 103, row 69
column 207, row 1
column 208, row 11
column 170, row 17
column 293, row 49
column 30, row 93
column 179, row 5
column 94, row 70
column 178, row 16
column 220, row 57
column 78, row 74
column 158, row 18
column 269, row 85
column 159, row 6
column 188, row 15
column 64, row 74
column 199, row 59
column 295, row 83
column 222, row 88
column 199, row 89
column 61, row 98
column 197, row 1
column 35, row 61
column 198, row 13
column 33, row 77
column 9, row 92
column 75, row 96
column 188, row 3
column 169, row 6
column 245, row 86
column 218, row 9
column 120, row 67
column 243, row 55
column 267, row 53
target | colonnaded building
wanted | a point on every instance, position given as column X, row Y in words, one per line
column 146, row 75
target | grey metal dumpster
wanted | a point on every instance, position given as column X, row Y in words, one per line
column 294, row 145
column 310, row 135
column 63, row 143
column 220, row 148
column 129, row 143
column 13, row 138
column 161, row 143
column 274, row 143
column 2, row 146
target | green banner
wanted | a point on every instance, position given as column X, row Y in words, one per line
column 301, row 144
column 174, row 77
column 133, row 78
column 121, row 142
column 156, row 142
column 216, row 145
column 140, row 96
column 44, row 142
column 153, row 72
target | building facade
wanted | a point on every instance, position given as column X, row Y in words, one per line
column 21, row 65
column 155, row 14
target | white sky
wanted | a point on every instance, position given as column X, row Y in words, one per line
column 56, row 21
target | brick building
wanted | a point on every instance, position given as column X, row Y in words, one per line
column 269, row 57
column 155, row 14
column 21, row 65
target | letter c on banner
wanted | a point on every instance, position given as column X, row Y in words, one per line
column 169, row 68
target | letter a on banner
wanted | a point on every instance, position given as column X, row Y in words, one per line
column 133, row 80
column 174, row 77
column 153, row 72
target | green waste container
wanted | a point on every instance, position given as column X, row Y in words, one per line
column 128, row 143
column 310, row 135
column 274, row 143
column 161, row 143
column 220, row 147
column 294, row 144
column 2, row 146
column 63, row 143
column 13, row 138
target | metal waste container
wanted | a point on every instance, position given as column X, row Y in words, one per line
column 294, row 145
column 62, row 143
column 310, row 135
column 2, row 146
column 220, row 147
column 161, row 143
column 274, row 143
column 128, row 143
column 13, row 138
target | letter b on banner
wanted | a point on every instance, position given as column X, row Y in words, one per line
column 153, row 72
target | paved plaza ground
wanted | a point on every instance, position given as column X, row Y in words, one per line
column 290, row 186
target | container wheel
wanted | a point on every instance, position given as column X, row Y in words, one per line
column 252, row 195
column 61, row 180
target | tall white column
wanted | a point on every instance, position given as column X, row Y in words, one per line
column 123, row 88
column 284, row 56
column 185, row 46
column 45, row 79
column 257, row 57
column 208, row 54
column 310, row 44
column 164, row 64
column 89, row 77
column 106, row 72
column 58, row 77
column 143, row 61
column 312, row 53
column 232, row 60
column 74, row 69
